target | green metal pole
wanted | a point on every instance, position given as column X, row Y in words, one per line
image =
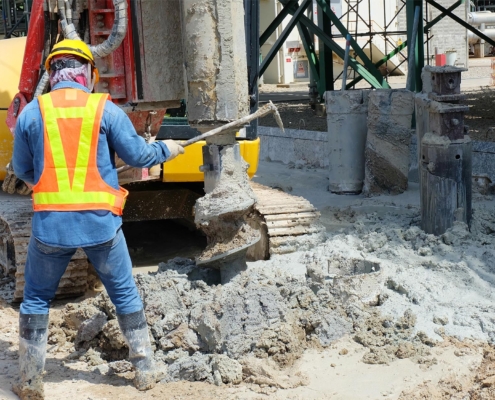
column 277, row 21
column 419, row 62
column 326, row 53
column 480, row 34
column 420, row 47
column 309, row 48
column 283, row 37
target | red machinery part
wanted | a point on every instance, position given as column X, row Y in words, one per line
column 31, row 65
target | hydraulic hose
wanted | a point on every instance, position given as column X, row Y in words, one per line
column 118, row 33
column 68, row 11
column 42, row 84
column 68, row 29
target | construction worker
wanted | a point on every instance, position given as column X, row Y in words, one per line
column 65, row 145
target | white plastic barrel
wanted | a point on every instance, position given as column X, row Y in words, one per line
column 451, row 57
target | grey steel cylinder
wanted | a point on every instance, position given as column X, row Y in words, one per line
column 446, row 170
column 215, row 61
column 347, row 113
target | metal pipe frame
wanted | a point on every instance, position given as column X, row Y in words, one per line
column 285, row 33
column 305, row 24
column 477, row 32
column 321, row 67
column 398, row 49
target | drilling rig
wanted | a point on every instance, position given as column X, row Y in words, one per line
column 151, row 55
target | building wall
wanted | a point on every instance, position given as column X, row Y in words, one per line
column 448, row 34
column 268, row 12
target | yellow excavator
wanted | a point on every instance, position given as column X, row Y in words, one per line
column 151, row 55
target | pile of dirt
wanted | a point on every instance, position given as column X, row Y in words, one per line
column 396, row 290
column 480, row 118
column 297, row 115
column 203, row 331
column 479, row 386
column 247, row 330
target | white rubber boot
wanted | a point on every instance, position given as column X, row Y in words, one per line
column 33, row 335
column 135, row 330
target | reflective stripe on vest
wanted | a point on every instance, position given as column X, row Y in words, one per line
column 70, row 180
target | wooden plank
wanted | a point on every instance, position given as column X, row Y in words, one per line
column 288, row 223
column 289, row 216
column 299, row 230
column 278, row 210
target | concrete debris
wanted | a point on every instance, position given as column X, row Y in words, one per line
column 395, row 289
column 91, row 327
column 229, row 371
column 389, row 136
column 388, row 339
column 479, row 386
column 266, row 373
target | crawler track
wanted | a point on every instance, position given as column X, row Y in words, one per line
column 286, row 222
column 15, row 233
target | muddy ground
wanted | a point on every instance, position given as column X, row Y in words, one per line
column 481, row 116
column 442, row 287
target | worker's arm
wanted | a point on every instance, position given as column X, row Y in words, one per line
column 129, row 146
column 22, row 157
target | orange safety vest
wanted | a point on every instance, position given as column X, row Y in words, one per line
column 70, row 180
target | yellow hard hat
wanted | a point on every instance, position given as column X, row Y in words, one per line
column 74, row 47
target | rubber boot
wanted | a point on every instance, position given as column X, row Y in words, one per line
column 135, row 330
column 33, row 335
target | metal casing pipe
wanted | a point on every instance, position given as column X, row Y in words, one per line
column 481, row 17
column 216, row 62
column 347, row 113
column 473, row 38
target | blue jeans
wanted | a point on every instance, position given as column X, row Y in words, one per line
column 45, row 266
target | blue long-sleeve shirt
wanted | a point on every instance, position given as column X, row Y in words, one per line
column 117, row 135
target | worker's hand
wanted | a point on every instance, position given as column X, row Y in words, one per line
column 174, row 148
column 12, row 184
column 9, row 182
column 23, row 188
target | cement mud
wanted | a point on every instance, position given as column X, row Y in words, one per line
column 357, row 283
column 221, row 213
column 378, row 278
column 480, row 386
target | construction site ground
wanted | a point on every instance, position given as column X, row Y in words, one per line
column 457, row 367
column 421, row 325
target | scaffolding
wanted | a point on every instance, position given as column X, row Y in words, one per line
column 14, row 17
column 482, row 5
column 394, row 30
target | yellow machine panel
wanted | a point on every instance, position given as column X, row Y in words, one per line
column 12, row 51
column 186, row 167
